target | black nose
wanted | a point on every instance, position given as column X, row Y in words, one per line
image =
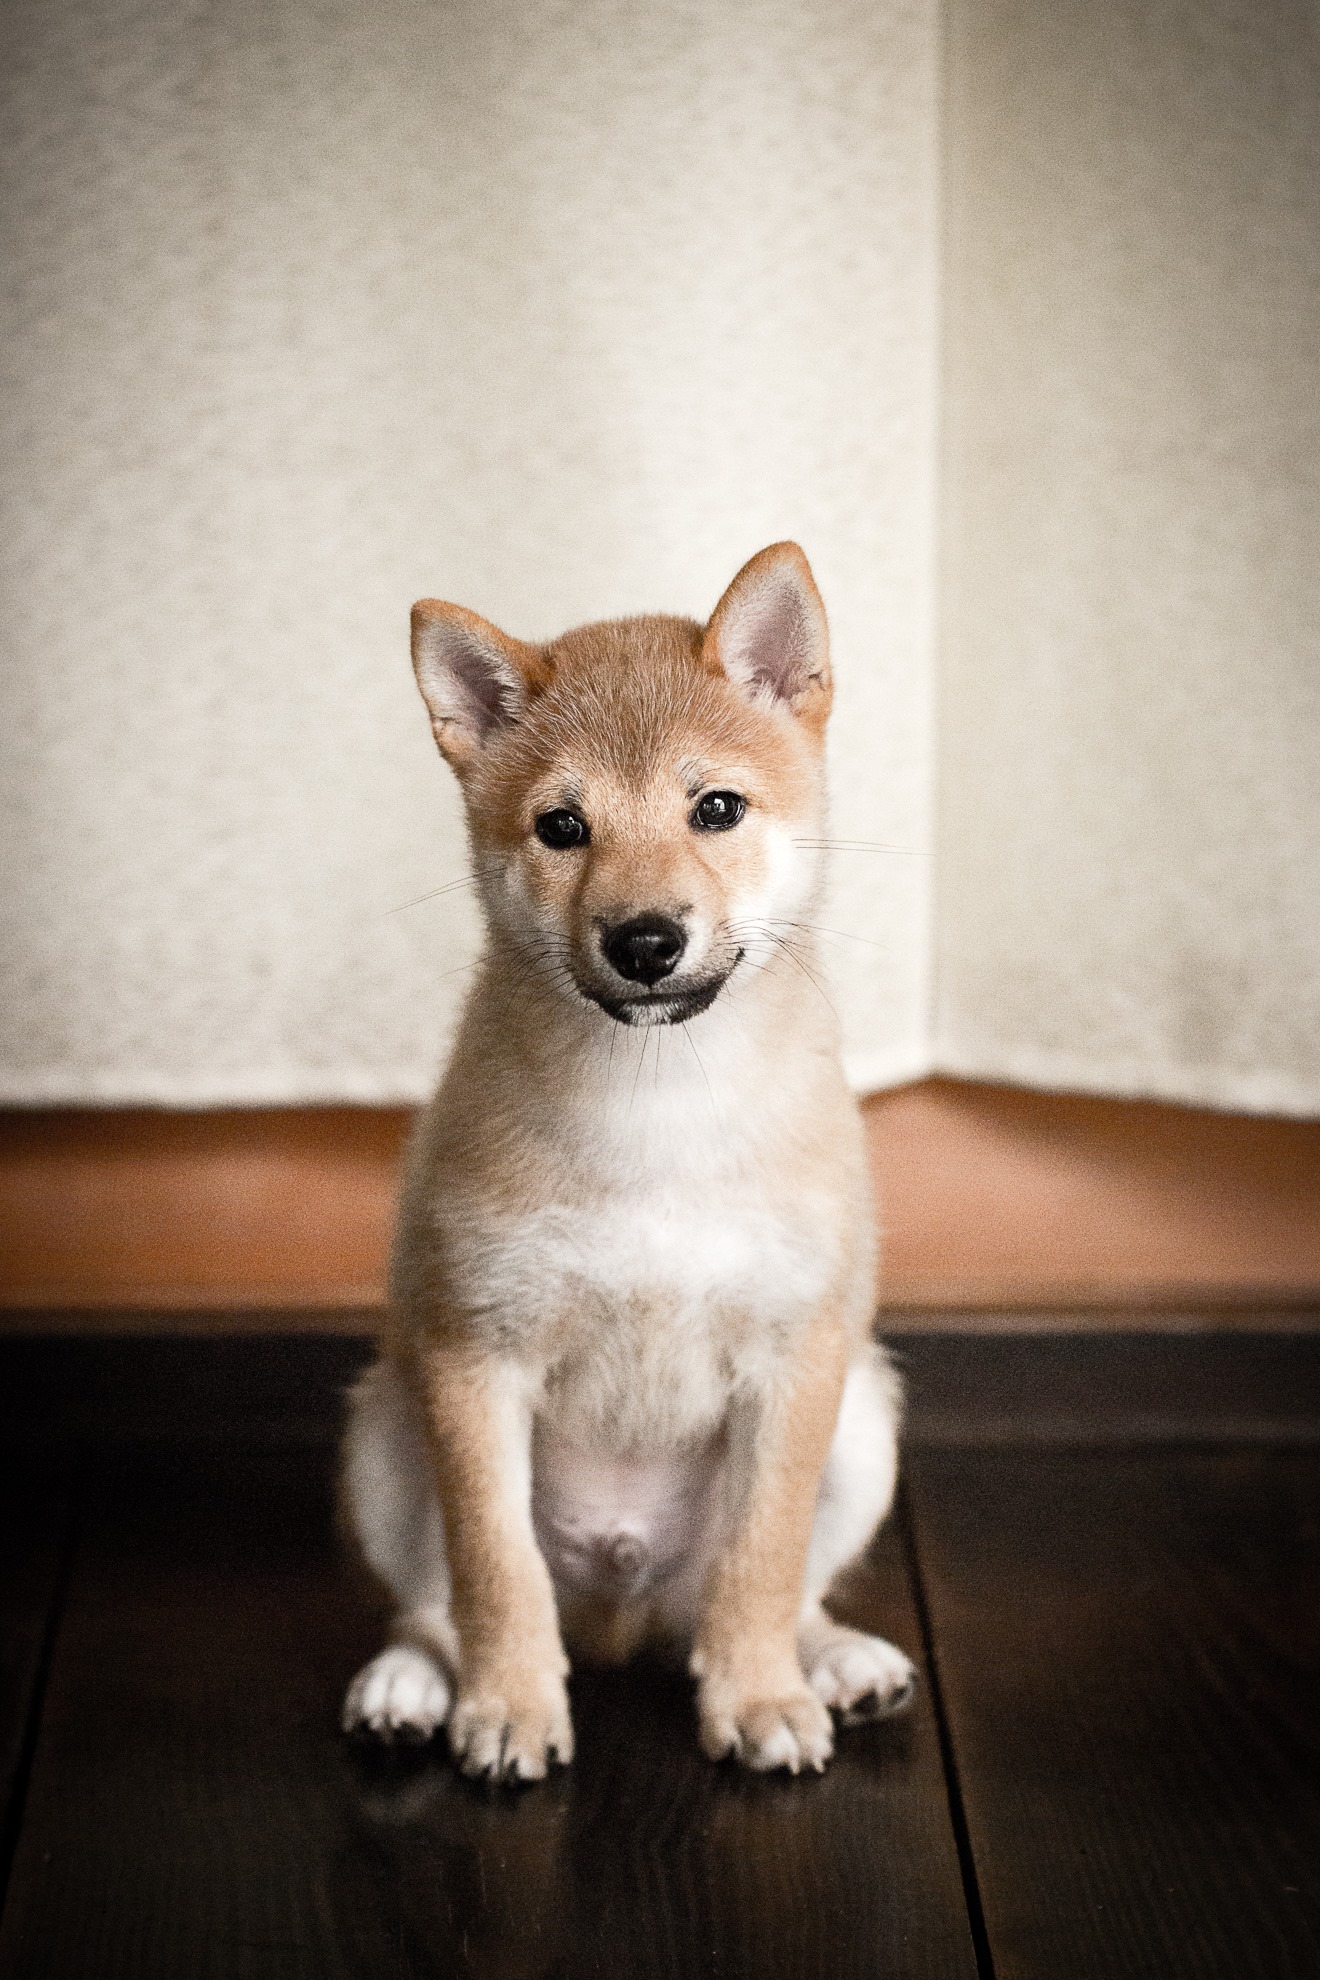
column 645, row 948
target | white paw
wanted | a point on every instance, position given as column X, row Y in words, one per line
column 860, row 1677
column 399, row 1696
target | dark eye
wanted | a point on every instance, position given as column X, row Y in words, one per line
column 718, row 810
column 562, row 829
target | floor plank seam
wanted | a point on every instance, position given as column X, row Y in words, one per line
column 985, row 1965
column 11, row 1828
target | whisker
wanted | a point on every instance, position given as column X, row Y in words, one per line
column 464, row 880
column 646, row 1039
column 861, row 845
column 785, row 943
column 844, row 934
column 692, row 1045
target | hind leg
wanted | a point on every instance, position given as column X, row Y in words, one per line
column 405, row 1693
column 401, row 1697
column 856, row 1675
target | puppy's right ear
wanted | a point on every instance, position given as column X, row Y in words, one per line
column 474, row 679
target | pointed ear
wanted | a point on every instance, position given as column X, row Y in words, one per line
column 474, row 679
column 768, row 634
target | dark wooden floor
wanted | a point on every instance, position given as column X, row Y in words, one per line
column 1107, row 1560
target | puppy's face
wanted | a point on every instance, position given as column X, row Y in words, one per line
column 642, row 795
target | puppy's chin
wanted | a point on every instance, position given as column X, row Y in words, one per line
column 659, row 1006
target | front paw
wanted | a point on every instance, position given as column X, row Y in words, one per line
column 511, row 1725
column 765, row 1726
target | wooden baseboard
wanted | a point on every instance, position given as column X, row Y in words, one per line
column 995, row 1202
column 286, row 1207
column 993, row 1194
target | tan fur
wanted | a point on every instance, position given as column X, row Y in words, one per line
column 633, row 1257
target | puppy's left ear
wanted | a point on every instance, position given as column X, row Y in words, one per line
column 768, row 634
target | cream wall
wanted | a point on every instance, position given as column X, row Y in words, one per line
column 1129, row 838
column 565, row 309
column 560, row 310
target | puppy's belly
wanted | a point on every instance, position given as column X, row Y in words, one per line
column 616, row 1528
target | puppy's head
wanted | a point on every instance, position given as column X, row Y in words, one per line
column 641, row 794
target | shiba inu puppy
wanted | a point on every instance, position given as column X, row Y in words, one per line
column 628, row 1394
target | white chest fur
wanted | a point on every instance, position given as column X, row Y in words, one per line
column 667, row 1249
column 676, row 1234
column 639, row 1306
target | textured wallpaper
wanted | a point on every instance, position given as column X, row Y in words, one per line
column 558, row 310
column 1129, row 841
